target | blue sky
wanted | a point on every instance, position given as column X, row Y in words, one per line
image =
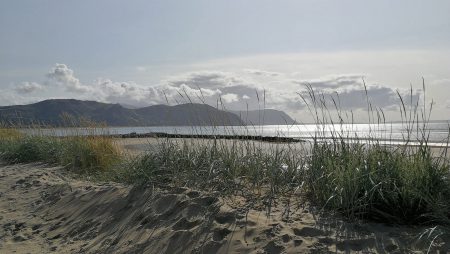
column 129, row 51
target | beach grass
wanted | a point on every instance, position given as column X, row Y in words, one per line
column 367, row 177
column 9, row 133
column 230, row 167
column 381, row 183
column 89, row 154
column 357, row 177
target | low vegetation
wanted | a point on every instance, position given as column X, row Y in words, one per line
column 85, row 154
column 380, row 183
column 9, row 133
column 231, row 167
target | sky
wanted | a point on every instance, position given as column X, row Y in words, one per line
column 238, row 54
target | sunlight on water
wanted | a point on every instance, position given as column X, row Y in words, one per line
column 436, row 133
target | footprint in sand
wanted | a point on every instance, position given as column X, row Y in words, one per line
column 206, row 201
column 225, row 217
column 165, row 203
column 193, row 211
column 298, row 242
column 273, row 231
column 308, row 232
column 286, row 238
column 356, row 244
column 220, row 234
column 19, row 238
column 20, row 181
column 273, row 248
column 13, row 227
column 193, row 194
column 326, row 240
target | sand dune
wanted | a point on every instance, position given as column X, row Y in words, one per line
column 43, row 209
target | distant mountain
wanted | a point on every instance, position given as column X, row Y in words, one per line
column 264, row 117
column 56, row 112
column 129, row 106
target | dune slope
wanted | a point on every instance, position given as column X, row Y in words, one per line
column 45, row 210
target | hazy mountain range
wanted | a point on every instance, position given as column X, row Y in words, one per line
column 64, row 112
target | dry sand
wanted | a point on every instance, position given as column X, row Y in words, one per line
column 43, row 209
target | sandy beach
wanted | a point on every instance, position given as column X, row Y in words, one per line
column 44, row 209
column 172, row 127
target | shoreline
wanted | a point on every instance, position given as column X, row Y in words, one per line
column 140, row 145
column 269, row 138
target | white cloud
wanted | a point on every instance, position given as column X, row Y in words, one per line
column 332, row 81
column 349, row 91
column 128, row 93
column 263, row 73
column 239, row 86
column 64, row 76
column 230, row 97
column 28, row 87
column 206, row 79
column 280, row 91
column 277, row 91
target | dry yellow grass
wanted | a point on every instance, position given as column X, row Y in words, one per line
column 10, row 133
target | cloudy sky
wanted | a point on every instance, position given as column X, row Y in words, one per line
column 141, row 53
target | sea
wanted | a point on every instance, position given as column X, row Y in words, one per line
column 435, row 133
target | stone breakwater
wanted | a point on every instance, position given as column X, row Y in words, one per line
column 202, row 136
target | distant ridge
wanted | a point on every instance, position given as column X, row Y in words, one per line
column 50, row 112
column 264, row 117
